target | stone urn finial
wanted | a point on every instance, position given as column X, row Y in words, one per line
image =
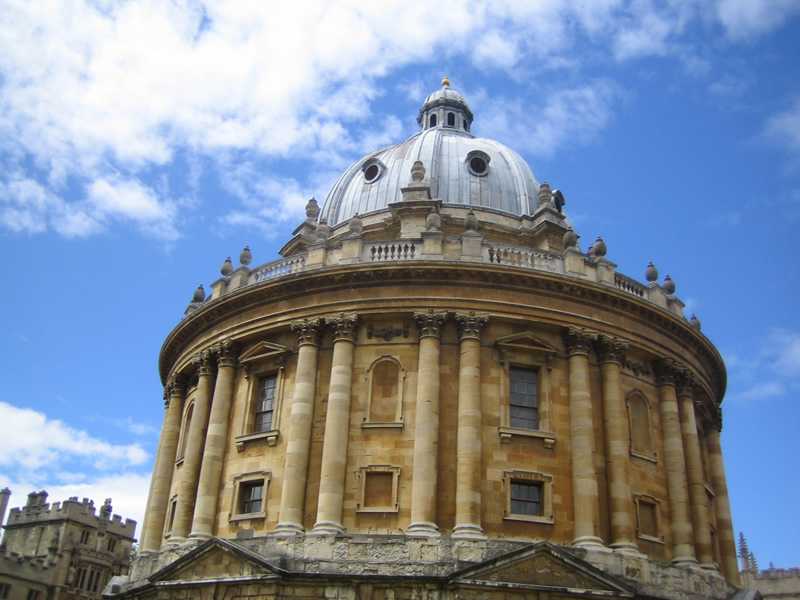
column 570, row 238
column 199, row 294
column 227, row 267
column 433, row 222
column 669, row 285
column 545, row 194
column 417, row 171
column 695, row 322
column 471, row 221
column 245, row 257
column 356, row 225
column 651, row 273
column 312, row 210
column 599, row 247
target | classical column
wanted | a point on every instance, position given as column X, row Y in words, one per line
column 426, row 427
column 727, row 545
column 337, row 428
column 195, row 438
column 611, row 352
column 298, row 442
column 581, row 423
column 468, row 454
column 694, row 470
column 675, row 464
column 161, row 481
column 216, row 440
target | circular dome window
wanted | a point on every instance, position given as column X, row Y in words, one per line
column 478, row 163
column 372, row 171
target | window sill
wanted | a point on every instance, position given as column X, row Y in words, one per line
column 650, row 538
column 382, row 425
column 653, row 458
column 547, row 437
column 179, row 461
column 270, row 436
column 247, row 516
column 377, row 509
column 531, row 519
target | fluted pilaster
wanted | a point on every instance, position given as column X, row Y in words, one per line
column 298, row 443
column 216, row 440
column 581, row 420
column 426, row 427
column 337, row 427
column 468, row 454
column 161, row 480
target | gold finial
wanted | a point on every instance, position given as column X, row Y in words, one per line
column 445, row 81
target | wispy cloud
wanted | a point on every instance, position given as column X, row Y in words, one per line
column 772, row 370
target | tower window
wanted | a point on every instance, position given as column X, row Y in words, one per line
column 251, row 497
column 451, row 120
column 526, row 498
column 432, row 121
column 524, row 402
column 265, row 405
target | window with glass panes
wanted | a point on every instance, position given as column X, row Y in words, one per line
column 526, row 498
column 251, row 494
column 265, row 403
column 524, row 404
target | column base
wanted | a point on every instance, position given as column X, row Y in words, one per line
column 200, row 535
column 590, row 542
column 422, row 529
column 175, row 541
column 327, row 528
column 468, row 532
column 628, row 549
column 288, row 530
column 709, row 567
column 684, row 561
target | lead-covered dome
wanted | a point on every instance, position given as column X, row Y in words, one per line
column 462, row 169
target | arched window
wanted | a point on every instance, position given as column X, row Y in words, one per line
column 640, row 426
column 432, row 121
column 187, row 422
column 451, row 120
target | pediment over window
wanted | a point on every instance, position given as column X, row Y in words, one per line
column 216, row 559
column 543, row 566
column 263, row 351
column 526, row 341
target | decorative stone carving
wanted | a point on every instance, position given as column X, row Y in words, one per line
column 245, row 257
column 470, row 325
column 471, row 222
column 417, row 171
column 175, row 388
column 429, row 323
column 545, row 194
column 202, row 362
column 666, row 371
column 651, row 273
column 570, row 238
column 312, row 210
column 669, row 285
column 199, row 294
column 323, row 231
column 387, row 334
column 227, row 267
column 356, row 226
column 579, row 340
column 226, row 354
column 307, row 331
column 344, row 326
column 611, row 349
column 695, row 322
column 433, row 222
column 599, row 247
column 685, row 380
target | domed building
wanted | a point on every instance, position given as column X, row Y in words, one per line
column 435, row 393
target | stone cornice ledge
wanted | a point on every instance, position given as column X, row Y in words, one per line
column 366, row 275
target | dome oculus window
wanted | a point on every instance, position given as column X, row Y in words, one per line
column 372, row 171
column 478, row 163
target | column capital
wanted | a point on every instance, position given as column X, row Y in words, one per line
column 666, row 371
column 685, row 382
column 579, row 340
column 430, row 323
column 175, row 388
column 470, row 325
column 344, row 326
column 202, row 362
column 307, row 331
column 611, row 349
column 227, row 353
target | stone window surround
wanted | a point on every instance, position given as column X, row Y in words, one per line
column 652, row 456
column 398, row 422
column 637, row 499
column 249, row 477
column 262, row 360
column 362, row 475
column 530, row 357
column 517, row 475
column 172, row 506
column 188, row 404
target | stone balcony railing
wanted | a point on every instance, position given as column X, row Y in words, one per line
column 570, row 263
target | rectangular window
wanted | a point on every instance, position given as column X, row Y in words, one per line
column 112, row 543
column 524, row 402
column 527, row 498
column 378, row 489
column 648, row 519
column 173, row 507
column 251, row 496
column 81, row 577
column 5, row 590
column 33, row 595
column 85, row 536
column 265, row 404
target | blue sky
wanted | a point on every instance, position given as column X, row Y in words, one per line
column 143, row 142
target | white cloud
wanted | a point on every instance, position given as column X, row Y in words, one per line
column 773, row 370
column 761, row 391
column 784, row 127
column 744, row 19
column 130, row 200
column 32, row 441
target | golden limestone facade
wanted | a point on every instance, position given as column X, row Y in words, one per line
column 425, row 398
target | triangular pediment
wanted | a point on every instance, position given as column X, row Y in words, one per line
column 216, row 559
column 525, row 341
column 543, row 566
column 263, row 351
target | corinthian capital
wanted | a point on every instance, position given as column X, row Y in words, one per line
column 429, row 323
column 611, row 349
column 470, row 325
column 344, row 326
column 684, row 381
column 202, row 362
column 579, row 340
column 666, row 370
column 226, row 354
column 307, row 331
